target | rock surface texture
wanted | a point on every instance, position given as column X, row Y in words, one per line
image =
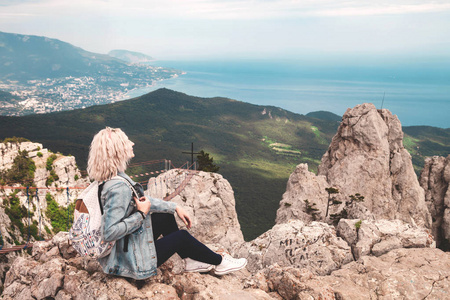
column 303, row 185
column 435, row 179
column 9, row 151
column 366, row 156
column 399, row 274
column 314, row 247
column 55, row 272
column 381, row 236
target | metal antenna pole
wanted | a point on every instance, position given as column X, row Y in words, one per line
column 382, row 102
column 191, row 153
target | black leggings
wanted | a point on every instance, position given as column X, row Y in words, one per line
column 178, row 241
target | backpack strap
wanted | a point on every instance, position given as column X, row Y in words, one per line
column 100, row 188
column 130, row 185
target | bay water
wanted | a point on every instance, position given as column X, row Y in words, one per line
column 419, row 94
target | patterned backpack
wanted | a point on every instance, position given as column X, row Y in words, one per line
column 85, row 234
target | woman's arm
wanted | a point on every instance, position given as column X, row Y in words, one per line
column 162, row 206
column 182, row 214
column 115, row 225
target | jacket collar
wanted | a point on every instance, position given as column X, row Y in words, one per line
column 122, row 174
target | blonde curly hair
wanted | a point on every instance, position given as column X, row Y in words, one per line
column 110, row 153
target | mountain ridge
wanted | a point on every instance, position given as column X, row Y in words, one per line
column 47, row 58
column 51, row 75
column 130, row 56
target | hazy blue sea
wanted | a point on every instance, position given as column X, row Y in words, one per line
column 418, row 94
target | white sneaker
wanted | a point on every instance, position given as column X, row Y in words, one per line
column 229, row 264
column 196, row 266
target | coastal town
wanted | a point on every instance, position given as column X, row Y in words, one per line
column 67, row 93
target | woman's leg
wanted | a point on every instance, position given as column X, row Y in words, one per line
column 183, row 243
column 163, row 223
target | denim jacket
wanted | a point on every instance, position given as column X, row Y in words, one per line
column 118, row 220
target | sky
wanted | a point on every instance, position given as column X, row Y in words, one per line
column 180, row 29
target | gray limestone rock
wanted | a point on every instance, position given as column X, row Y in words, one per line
column 381, row 236
column 73, row 278
column 435, row 179
column 366, row 157
column 313, row 246
column 209, row 200
column 303, row 185
column 9, row 151
column 399, row 274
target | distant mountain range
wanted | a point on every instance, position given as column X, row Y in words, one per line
column 48, row 75
column 130, row 56
column 257, row 147
column 324, row 115
column 26, row 57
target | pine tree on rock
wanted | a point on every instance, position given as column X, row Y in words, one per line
column 205, row 163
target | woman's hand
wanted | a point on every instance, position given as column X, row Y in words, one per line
column 143, row 204
column 184, row 216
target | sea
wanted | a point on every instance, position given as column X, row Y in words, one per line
column 418, row 93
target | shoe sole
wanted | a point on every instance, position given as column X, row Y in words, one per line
column 200, row 270
column 230, row 270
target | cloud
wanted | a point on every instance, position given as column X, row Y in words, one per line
column 387, row 9
column 13, row 2
column 225, row 9
column 269, row 9
column 201, row 27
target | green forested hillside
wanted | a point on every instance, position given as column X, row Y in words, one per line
column 324, row 115
column 256, row 147
column 423, row 141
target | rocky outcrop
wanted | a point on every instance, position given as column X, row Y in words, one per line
column 55, row 272
column 63, row 173
column 66, row 173
column 209, row 200
column 303, row 185
column 381, row 236
column 399, row 274
column 367, row 157
column 314, row 247
column 435, row 179
column 9, row 151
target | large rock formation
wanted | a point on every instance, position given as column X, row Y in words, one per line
column 314, row 247
column 303, row 185
column 435, row 179
column 209, row 200
column 55, row 272
column 366, row 156
column 61, row 173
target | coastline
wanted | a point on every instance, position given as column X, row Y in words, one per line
column 415, row 103
column 137, row 92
